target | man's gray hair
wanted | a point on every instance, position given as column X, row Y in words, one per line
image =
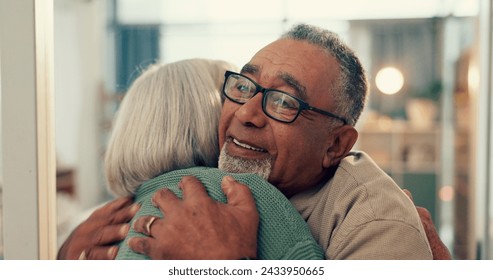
column 351, row 88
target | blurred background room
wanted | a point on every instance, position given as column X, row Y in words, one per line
column 427, row 122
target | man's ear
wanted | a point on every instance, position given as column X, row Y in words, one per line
column 343, row 141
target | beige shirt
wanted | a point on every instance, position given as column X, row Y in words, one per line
column 362, row 214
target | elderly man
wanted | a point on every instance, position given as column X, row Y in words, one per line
column 289, row 117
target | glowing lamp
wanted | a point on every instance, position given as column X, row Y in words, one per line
column 389, row 80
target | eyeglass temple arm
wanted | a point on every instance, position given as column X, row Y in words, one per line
column 328, row 114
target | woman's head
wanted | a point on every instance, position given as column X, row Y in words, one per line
column 168, row 120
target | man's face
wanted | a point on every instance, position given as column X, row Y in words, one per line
column 294, row 153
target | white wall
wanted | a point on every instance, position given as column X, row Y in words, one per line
column 79, row 75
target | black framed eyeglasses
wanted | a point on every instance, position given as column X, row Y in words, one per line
column 278, row 105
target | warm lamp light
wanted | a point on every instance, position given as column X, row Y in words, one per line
column 389, row 80
column 446, row 193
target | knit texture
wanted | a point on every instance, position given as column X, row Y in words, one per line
column 282, row 232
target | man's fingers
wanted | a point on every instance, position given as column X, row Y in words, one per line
column 126, row 214
column 240, row 200
column 192, row 188
column 94, row 238
column 408, row 193
column 165, row 199
column 144, row 224
column 119, row 203
column 424, row 214
column 113, row 206
column 99, row 253
column 238, row 194
column 118, row 211
column 110, row 234
column 438, row 248
column 141, row 245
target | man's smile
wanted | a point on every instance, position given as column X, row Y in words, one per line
column 246, row 146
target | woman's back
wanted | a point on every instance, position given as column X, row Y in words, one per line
column 282, row 233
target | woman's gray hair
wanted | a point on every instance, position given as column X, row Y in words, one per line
column 167, row 120
column 351, row 89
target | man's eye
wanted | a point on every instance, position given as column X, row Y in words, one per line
column 286, row 104
column 243, row 87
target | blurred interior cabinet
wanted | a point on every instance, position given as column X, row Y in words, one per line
column 410, row 155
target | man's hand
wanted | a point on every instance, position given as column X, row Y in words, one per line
column 94, row 238
column 198, row 227
column 439, row 250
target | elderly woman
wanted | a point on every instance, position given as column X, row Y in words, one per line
column 166, row 128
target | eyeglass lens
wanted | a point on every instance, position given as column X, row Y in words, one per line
column 276, row 104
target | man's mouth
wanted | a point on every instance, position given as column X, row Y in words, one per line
column 246, row 146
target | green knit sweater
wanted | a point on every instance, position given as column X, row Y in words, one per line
column 282, row 232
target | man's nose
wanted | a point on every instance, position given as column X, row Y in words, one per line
column 250, row 113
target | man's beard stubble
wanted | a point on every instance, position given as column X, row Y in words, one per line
column 233, row 164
